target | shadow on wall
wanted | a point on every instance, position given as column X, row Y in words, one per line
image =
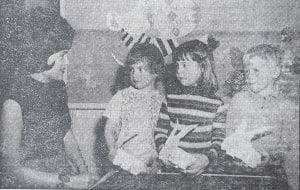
column 101, row 149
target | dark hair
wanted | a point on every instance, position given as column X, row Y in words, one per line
column 141, row 52
column 148, row 52
column 44, row 33
column 203, row 54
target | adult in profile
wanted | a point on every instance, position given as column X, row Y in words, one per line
column 35, row 116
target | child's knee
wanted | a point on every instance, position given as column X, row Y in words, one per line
column 293, row 180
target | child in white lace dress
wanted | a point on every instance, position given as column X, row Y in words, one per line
column 133, row 112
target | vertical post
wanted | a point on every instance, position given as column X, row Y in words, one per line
column 62, row 7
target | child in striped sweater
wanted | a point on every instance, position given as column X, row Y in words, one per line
column 189, row 120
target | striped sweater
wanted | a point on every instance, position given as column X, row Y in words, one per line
column 192, row 110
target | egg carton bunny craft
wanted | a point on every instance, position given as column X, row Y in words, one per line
column 171, row 153
column 239, row 144
column 159, row 22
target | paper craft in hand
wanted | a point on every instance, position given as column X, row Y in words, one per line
column 172, row 153
column 178, row 157
column 239, row 145
column 128, row 162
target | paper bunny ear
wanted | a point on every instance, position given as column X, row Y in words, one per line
column 117, row 60
column 112, row 22
column 166, row 46
column 130, row 37
column 129, row 40
column 210, row 41
column 55, row 56
column 184, row 130
column 204, row 38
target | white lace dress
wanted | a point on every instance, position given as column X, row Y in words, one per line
column 136, row 113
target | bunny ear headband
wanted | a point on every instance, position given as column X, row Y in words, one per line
column 158, row 22
column 210, row 41
column 117, row 60
column 206, row 39
column 154, row 21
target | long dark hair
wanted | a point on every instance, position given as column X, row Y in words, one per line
column 203, row 54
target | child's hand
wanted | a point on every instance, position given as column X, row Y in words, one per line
column 197, row 166
column 173, row 140
column 82, row 181
column 171, row 144
column 213, row 154
column 164, row 155
column 264, row 154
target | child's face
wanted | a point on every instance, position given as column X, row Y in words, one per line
column 188, row 71
column 140, row 75
column 261, row 74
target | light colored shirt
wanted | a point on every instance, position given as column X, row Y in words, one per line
column 281, row 116
column 136, row 113
column 258, row 112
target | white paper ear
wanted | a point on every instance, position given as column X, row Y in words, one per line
column 204, row 39
column 117, row 60
column 67, row 62
column 55, row 56
column 112, row 22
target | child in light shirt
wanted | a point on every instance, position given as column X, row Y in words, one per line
column 133, row 112
column 259, row 113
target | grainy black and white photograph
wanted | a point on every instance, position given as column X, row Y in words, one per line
column 149, row 94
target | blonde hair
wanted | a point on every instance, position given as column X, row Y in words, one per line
column 266, row 52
